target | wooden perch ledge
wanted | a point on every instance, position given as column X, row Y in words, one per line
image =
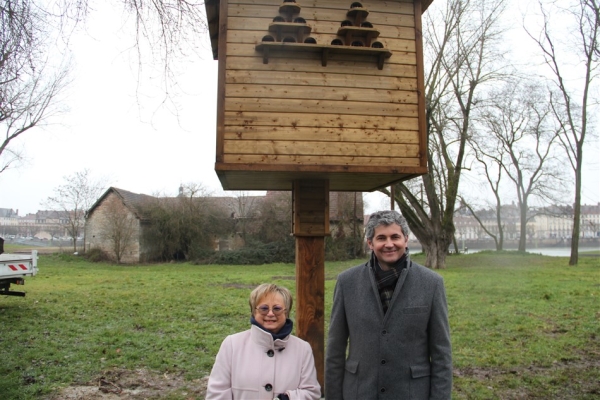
column 326, row 51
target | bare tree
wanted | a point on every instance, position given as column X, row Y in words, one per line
column 582, row 19
column 33, row 74
column 118, row 227
column 183, row 227
column 245, row 209
column 164, row 30
column 460, row 43
column 516, row 135
column 492, row 173
column 499, row 237
column 275, row 222
column 346, row 213
column 29, row 84
column 74, row 198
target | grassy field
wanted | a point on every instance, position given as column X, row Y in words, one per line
column 523, row 326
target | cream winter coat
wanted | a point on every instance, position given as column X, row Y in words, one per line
column 251, row 365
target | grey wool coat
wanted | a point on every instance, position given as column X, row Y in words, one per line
column 405, row 354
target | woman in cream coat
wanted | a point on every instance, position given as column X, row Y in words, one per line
column 266, row 361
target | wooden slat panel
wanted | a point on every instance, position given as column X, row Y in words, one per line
column 294, row 117
column 276, row 147
column 232, row 180
column 321, row 134
column 320, row 21
column 319, row 79
column 337, row 63
column 400, row 6
column 421, row 82
column 312, row 211
column 222, row 52
column 345, row 173
column 320, row 29
column 361, row 121
column 319, row 160
column 334, row 66
column 255, row 37
column 316, row 93
column 310, row 203
column 398, row 56
column 311, row 229
column 326, row 3
column 320, row 106
column 391, row 16
column 375, row 7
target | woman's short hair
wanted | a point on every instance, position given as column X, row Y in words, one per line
column 385, row 218
column 268, row 288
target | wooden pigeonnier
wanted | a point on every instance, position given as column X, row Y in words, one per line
column 317, row 96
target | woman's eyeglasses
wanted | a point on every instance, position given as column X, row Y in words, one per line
column 264, row 310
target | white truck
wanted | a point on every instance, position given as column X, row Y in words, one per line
column 14, row 268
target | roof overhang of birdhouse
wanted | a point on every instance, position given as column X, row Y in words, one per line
column 253, row 179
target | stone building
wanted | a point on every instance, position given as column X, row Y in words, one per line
column 118, row 210
column 121, row 211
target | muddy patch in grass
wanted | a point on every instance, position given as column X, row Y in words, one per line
column 238, row 286
column 138, row 384
column 565, row 379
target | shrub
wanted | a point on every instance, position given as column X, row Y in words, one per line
column 253, row 254
column 96, row 254
column 342, row 249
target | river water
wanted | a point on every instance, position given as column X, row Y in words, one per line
column 546, row 251
column 560, row 251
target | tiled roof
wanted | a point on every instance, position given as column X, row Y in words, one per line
column 239, row 206
column 134, row 201
column 7, row 212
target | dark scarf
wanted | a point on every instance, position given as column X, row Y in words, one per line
column 284, row 332
column 386, row 280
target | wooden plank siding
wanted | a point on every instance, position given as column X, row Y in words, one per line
column 293, row 118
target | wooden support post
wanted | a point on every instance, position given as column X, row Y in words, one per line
column 310, row 226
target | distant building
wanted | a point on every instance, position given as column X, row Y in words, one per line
column 243, row 210
column 544, row 223
column 128, row 205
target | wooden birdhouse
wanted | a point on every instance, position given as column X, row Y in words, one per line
column 316, row 97
column 329, row 90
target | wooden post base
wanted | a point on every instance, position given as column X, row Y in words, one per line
column 310, row 297
column 310, row 226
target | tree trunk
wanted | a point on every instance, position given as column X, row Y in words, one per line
column 435, row 254
column 523, row 227
column 455, row 243
column 574, row 258
column 434, row 232
column 499, row 242
column 435, row 246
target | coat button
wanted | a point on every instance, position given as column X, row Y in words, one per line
column 382, row 390
column 270, row 353
column 268, row 387
column 382, row 362
column 384, row 332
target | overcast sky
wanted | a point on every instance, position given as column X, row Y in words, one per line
column 116, row 128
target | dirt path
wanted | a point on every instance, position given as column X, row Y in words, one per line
column 119, row 384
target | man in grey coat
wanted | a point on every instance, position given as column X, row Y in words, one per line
column 389, row 336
